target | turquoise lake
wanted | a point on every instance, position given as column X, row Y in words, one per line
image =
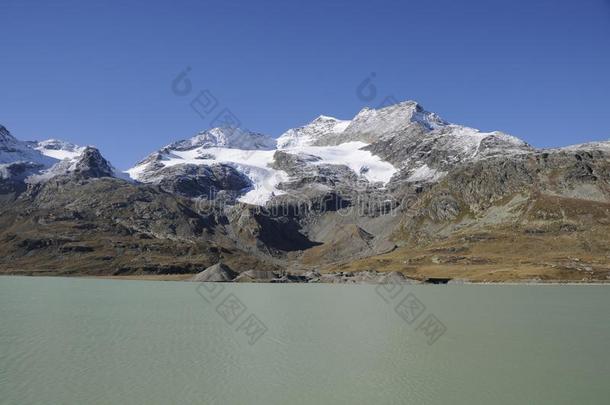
column 94, row 341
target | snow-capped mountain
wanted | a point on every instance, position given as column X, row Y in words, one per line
column 403, row 142
column 398, row 187
column 420, row 144
column 238, row 153
column 88, row 163
column 398, row 143
column 34, row 161
column 257, row 163
column 368, row 126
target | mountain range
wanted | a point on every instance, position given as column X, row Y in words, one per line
column 396, row 190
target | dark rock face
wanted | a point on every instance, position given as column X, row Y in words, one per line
column 202, row 181
column 92, row 164
column 13, row 151
column 13, row 177
column 10, row 189
column 472, row 190
column 5, row 136
column 19, row 171
column 265, row 230
column 444, row 208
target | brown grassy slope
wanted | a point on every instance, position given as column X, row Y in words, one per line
column 549, row 238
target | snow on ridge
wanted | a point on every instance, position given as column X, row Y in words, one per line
column 59, row 150
column 252, row 154
column 350, row 154
column 475, row 143
column 394, row 118
column 13, row 151
column 39, row 160
column 601, row 145
column 326, row 118
column 469, row 139
column 312, row 132
column 236, row 138
column 341, row 126
column 257, row 165
column 136, row 172
column 248, row 152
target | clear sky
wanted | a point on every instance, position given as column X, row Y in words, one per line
column 100, row 72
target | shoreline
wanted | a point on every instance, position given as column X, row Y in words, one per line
column 186, row 279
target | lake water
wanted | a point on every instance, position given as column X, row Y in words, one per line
column 76, row 341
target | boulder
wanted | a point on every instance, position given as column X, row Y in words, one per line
column 257, row 276
column 216, row 273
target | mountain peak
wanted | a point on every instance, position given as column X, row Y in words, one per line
column 313, row 132
column 91, row 163
column 5, row 135
column 34, row 161
column 395, row 117
column 322, row 118
column 369, row 124
column 226, row 137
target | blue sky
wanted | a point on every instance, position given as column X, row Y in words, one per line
column 101, row 72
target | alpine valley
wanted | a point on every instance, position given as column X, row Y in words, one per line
column 395, row 193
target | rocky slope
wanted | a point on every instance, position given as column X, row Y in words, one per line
column 397, row 189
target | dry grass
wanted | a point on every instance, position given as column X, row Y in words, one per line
column 502, row 254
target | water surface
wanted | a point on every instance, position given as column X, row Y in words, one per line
column 92, row 341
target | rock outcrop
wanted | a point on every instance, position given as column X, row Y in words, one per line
column 217, row 273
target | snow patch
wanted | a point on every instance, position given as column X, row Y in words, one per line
column 353, row 156
column 59, row 150
column 425, row 174
column 316, row 130
column 600, row 145
column 469, row 139
column 255, row 164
